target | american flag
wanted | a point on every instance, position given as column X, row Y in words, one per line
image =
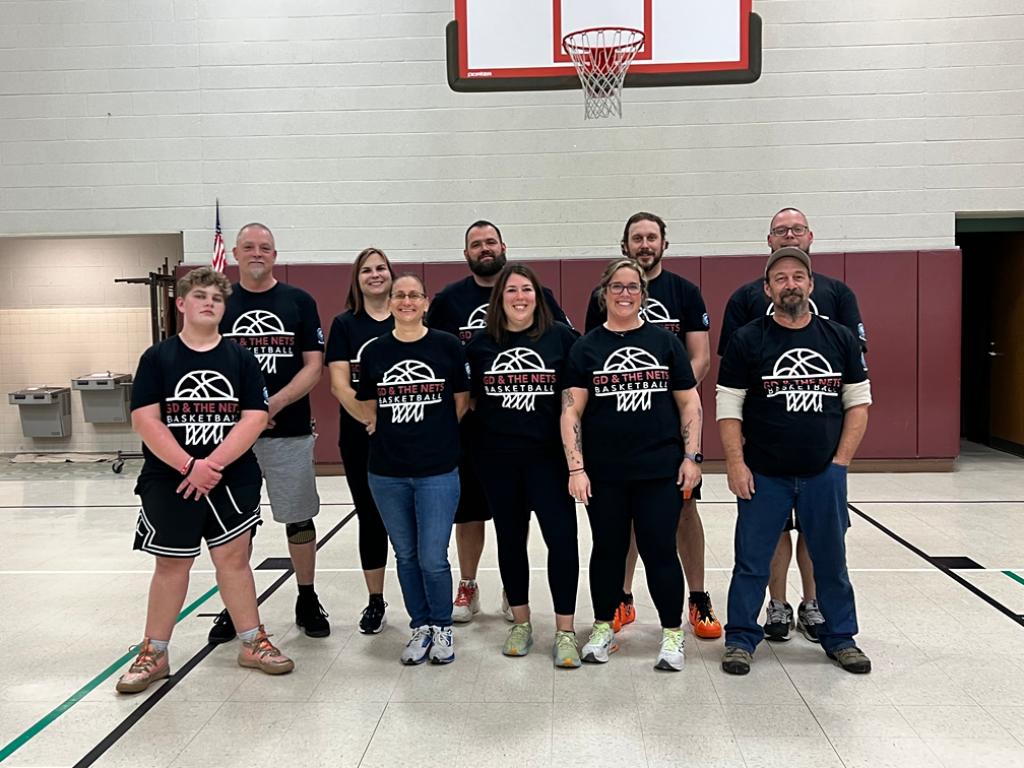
column 220, row 261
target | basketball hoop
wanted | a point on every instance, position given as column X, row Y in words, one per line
column 602, row 55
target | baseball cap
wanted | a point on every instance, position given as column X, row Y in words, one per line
column 789, row 252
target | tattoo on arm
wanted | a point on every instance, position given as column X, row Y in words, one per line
column 567, row 400
column 577, row 439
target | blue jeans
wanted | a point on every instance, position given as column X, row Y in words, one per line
column 418, row 513
column 820, row 504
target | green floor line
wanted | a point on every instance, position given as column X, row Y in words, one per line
column 1015, row 577
column 86, row 689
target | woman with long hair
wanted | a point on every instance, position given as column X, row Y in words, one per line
column 367, row 317
column 413, row 391
column 516, row 366
column 631, row 406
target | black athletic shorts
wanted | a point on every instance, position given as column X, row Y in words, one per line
column 171, row 526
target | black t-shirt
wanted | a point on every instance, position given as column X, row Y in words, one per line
column 631, row 423
column 201, row 397
column 673, row 303
column 831, row 299
column 277, row 326
column 518, row 387
column 461, row 308
column 350, row 333
column 414, row 384
column 793, row 411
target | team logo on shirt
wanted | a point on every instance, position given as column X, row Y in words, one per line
column 263, row 334
column 407, row 388
column 632, row 375
column 805, row 378
column 518, row 376
column 814, row 309
column 204, row 405
column 477, row 319
column 355, row 365
column 656, row 313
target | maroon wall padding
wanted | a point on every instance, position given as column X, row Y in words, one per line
column 328, row 285
column 579, row 278
column 886, row 288
column 938, row 353
column 914, row 346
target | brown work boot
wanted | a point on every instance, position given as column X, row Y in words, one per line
column 262, row 655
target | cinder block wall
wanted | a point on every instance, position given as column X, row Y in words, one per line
column 333, row 122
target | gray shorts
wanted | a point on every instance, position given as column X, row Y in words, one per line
column 287, row 465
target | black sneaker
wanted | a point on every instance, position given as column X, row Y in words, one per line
column 780, row 621
column 223, row 629
column 373, row 620
column 852, row 659
column 312, row 617
column 809, row 619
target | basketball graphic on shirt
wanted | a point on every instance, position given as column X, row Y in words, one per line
column 814, row 309
column 518, row 376
column 631, row 374
column 653, row 311
column 263, row 334
column 355, row 364
column 804, row 377
column 204, row 405
column 407, row 388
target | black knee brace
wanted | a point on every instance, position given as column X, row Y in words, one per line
column 300, row 533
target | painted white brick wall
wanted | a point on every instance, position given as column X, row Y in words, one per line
column 332, row 122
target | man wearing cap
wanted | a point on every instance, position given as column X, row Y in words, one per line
column 834, row 300
column 792, row 408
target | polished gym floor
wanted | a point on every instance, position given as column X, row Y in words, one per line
column 937, row 561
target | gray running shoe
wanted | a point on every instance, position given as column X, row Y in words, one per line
column 780, row 621
column 809, row 619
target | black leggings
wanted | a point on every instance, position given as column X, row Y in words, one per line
column 514, row 485
column 652, row 508
column 355, row 450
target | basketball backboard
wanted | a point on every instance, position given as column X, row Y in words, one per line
column 516, row 45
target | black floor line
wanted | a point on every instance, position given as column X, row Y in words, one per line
column 137, row 714
column 937, row 563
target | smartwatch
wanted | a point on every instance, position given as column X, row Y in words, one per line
column 696, row 458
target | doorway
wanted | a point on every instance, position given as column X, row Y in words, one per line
column 992, row 356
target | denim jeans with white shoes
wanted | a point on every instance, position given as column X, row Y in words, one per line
column 418, row 513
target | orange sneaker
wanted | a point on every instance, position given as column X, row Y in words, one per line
column 149, row 666
column 702, row 618
column 261, row 654
column 624, row 614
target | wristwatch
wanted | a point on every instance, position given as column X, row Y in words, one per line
column 696, row 458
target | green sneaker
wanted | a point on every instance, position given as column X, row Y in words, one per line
column 599, row 645
column 519, row 640
column 564, row 652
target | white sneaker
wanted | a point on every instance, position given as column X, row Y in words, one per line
column 671, row 657
column 418, row 647
column 467, row 602
column 599, row 645
column 443, row 649
column 506, row 610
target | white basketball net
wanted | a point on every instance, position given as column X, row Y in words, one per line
column 803, row 401
column 633, row 401
column 404, row 412
column 602, row 55
column 519, row 402
column 200, row 434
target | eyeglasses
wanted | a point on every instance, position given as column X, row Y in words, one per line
column 631, row 288
column 798, row 230
column 411, row 295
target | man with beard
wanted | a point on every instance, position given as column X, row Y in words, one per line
column 461, row 309
column 675, row 304
column 833, row 300
column 792, row 408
